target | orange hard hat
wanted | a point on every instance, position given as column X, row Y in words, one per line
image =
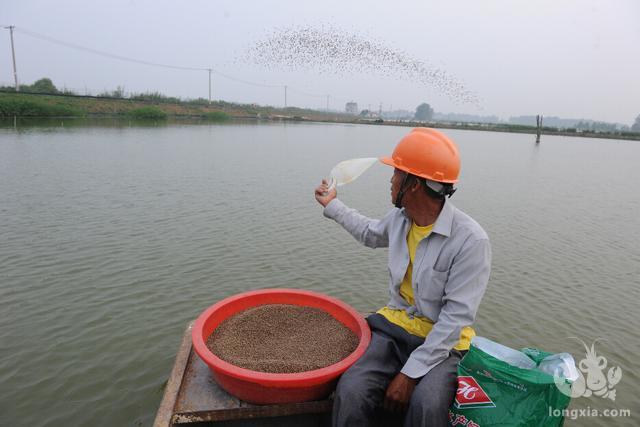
column 427, row 153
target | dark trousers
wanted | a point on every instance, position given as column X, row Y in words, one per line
column 361, row 389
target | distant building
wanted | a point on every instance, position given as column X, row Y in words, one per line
column 351, row 107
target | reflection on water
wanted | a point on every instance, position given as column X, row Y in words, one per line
column 27, row 124
column 115, row 236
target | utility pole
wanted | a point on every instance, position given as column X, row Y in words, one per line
column 13, row 54
column 209, row 69
column 328, row 103
column 285, row 96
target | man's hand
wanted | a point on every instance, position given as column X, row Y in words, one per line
column 324, row 195
column 399, row 393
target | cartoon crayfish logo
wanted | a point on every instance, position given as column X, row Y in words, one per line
column 595, row 382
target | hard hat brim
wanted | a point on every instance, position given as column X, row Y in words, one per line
column 387, row 161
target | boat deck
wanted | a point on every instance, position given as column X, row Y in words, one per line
column 192, row 397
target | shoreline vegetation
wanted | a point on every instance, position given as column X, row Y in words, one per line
column 158, row 108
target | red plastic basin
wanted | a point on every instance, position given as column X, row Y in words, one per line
column 261, row 387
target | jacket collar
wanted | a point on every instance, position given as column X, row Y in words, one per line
column 444, row 222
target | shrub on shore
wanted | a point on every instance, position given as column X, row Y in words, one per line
column 10, row 107
column 216, row 116
column 147, row 113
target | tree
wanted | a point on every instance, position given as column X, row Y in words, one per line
column 44, row 85
column 424, row 112
column 636, row 126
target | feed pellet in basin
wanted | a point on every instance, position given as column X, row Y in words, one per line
column 282, row 338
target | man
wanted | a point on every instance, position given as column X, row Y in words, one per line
column 439, row 264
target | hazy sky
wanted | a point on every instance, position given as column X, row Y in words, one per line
column 574, row 59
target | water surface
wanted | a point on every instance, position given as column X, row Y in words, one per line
column 114, row 237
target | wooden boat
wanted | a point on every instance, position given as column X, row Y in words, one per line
column 192, row 397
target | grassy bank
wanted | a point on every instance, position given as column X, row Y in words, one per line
column 156, row 108
column 21, row 106
column 147, row 113
column 159, row 108
column 508, row 128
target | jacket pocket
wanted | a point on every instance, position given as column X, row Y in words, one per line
column 442, row 264
column 431, row 286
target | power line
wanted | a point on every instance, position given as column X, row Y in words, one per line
column 137, row 61
column 106, row 54
column 245, row 81
column 162, row 65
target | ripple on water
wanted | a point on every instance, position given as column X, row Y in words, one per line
column 109, row 250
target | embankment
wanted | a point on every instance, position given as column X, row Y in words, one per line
column 25, row 105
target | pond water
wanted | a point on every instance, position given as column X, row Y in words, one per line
column 113, row 237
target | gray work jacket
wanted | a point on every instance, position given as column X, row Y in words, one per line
column 450, row 272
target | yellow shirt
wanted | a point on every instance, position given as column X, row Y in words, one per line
column 418, row 325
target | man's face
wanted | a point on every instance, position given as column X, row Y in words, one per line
column 396, row 181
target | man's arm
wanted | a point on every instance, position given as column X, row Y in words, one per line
column 465, row 286
column 369, row 232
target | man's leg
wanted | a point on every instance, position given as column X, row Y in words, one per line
column 434, row 394
column 361, row 388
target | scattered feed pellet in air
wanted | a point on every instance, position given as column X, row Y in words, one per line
column 328, row 49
